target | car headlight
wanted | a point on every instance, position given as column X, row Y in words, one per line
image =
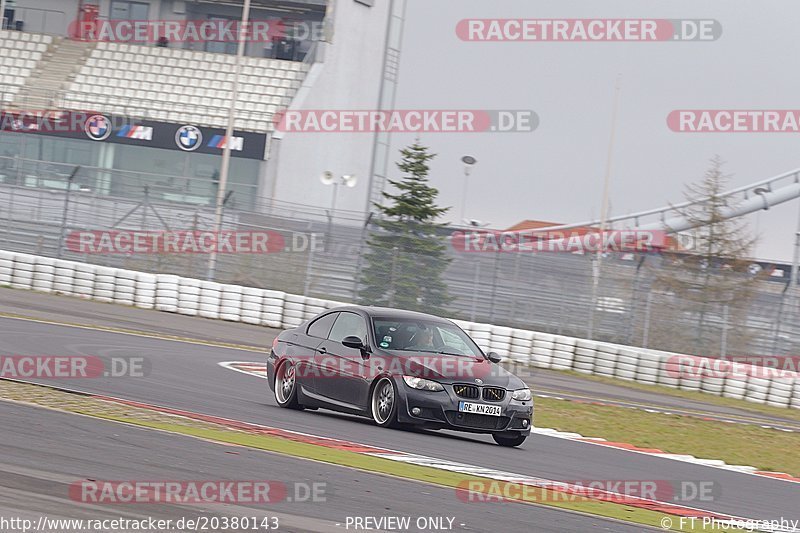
column 522, row 395
column 422, row 384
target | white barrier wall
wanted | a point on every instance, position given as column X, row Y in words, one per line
column 277, row 309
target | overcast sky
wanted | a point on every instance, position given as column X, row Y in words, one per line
column 556, row 172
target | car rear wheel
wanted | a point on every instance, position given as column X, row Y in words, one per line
column 286, row 386
column 509, row 440
column 384, row 403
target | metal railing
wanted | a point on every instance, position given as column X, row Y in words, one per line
column 549, row 292
column 660, row 215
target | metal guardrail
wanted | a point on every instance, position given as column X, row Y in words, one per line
column 548, row 292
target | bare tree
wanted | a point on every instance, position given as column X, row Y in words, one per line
column 705, row 290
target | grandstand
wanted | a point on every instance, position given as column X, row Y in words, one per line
column 157, row 83
column 190, row 84
column 183, row 85
column 20, row 53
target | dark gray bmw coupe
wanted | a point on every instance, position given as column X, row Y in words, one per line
column 400, row 368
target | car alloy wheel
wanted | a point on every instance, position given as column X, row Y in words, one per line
column 384, row 403
column 286, row 385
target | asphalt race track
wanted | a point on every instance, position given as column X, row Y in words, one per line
column 76, row 310
column 34, row 480
column 187, row 376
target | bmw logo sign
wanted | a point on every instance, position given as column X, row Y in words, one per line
column 754, row 269
column 98, row 127
column 479, row 381
column 189, row 138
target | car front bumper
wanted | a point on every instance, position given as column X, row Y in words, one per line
column 439, row 410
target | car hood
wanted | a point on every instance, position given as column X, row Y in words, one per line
column 448, row 369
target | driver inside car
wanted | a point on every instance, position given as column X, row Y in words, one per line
column 423, row 341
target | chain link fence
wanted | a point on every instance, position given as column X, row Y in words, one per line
column 324, row 256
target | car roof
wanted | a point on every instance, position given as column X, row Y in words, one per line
column 389, row 312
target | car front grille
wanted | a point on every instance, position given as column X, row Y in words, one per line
column 494, row 394
column 474, row 421
column 467, row 391
column 473, row 392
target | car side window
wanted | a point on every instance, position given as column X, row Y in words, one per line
column 348, row 324
column 321, row 327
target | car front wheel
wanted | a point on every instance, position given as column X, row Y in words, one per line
column 384, row 403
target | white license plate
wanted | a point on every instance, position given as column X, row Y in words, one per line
column 479, row 408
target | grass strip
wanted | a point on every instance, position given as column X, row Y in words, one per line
column 787, row 413
column 736, row 444
column 89, row 406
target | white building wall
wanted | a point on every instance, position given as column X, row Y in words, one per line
column 55, row 16
column 46, row 16
column 349, row 78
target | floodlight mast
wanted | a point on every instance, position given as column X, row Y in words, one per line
column 329, row 178
column 226, row 151
column 469, row 163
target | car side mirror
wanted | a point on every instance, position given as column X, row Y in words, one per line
column 494, row 357
column 351, row 341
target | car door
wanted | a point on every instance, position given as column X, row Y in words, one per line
column 316, row 333
column 341, row 371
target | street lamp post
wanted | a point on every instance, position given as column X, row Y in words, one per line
column 226, row 152
column 328, row 178
column 598, row 260
column 469, row 162
column 65, row 212
column 796, row 257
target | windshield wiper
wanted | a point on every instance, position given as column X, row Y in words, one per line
column 442, row 352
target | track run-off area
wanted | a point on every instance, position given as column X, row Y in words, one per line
column 185, row 376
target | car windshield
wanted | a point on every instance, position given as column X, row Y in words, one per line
column 421, row 336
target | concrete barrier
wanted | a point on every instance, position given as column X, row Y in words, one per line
column 252, row 305
column 125, row 288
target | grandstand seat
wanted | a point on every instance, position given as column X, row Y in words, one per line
column 184, row 85
column 19, row 54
